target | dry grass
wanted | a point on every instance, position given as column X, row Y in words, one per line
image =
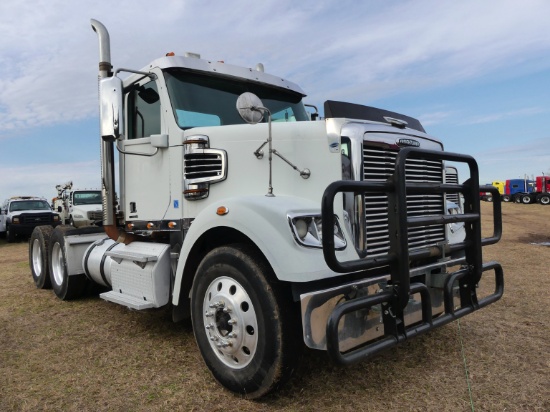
column 93, row 355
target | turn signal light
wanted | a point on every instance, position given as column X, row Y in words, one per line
column 222, row 210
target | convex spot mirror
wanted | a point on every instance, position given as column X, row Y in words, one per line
column 250, row 108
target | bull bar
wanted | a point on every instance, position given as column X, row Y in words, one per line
column 395, row 299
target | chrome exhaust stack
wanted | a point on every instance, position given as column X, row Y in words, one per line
column 107, row 149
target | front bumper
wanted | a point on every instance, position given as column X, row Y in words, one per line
column 27, row 228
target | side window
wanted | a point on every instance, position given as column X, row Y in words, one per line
column 143, row 111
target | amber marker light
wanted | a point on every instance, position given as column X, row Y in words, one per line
column 222, row 210
column 170, row 54
column 150, row 225
column 172, row 225
column 130, row 225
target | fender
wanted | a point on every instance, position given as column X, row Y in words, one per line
column 264, row 220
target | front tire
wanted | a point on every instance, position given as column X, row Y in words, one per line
column 544, row 199
column 64, row 286
column 505, row 198
column 244, row 322
column 39, row 256
column 10, row 234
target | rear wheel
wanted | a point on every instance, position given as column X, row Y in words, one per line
column 505, row 198
column 244, row 321
column 64, row 286
column 525, row 199
column 39, row 256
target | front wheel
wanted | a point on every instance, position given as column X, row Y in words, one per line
column 10, row 234
column 65, row 286
column 244, row 321
column 506, row 198
column 544, row 199
column 39, row 256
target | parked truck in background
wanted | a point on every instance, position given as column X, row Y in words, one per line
column 540, row 191
column 268, row 229
column 78, row 207
column 19, row 215
column 518, row 190
column 488, row 196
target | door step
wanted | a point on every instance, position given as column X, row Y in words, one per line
column 126, row 300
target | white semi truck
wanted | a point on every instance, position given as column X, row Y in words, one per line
column 268, row 227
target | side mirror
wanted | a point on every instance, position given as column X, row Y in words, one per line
column 250, row 108
column 59, row 209
column 110, row 108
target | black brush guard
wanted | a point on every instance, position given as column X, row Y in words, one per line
column 395, row 299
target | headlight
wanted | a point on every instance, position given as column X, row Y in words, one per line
column 15, row 220
column 307, row 231
column 55, row 218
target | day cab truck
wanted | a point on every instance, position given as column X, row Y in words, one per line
column 268, row 229
column 518, row 190
column 78, row 207
column 488, row 196
column 542, row 190
column 538, row 191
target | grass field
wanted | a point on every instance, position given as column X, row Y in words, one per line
column 90, row 355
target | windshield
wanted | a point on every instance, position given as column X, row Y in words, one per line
column 92, row 197
column 199, row 100
column 29, row 205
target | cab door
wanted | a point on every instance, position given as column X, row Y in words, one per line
column 145, row 185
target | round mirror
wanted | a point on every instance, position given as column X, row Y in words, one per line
column 250, row 108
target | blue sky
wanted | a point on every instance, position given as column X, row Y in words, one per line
column 476, row 73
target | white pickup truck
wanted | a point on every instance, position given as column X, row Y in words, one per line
column 21, row 214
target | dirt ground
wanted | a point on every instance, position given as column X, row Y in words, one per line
column 93, row 355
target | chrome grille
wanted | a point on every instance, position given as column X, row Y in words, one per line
column 378, row 165
column 203, row 166
column 95, row 215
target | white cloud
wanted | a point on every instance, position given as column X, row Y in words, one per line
column 354, row 50
column 494, row 117
column 335, row 49
column 41, row 179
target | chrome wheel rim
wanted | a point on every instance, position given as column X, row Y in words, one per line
column 57, row 264
column 230, row 322
column 36, row 258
